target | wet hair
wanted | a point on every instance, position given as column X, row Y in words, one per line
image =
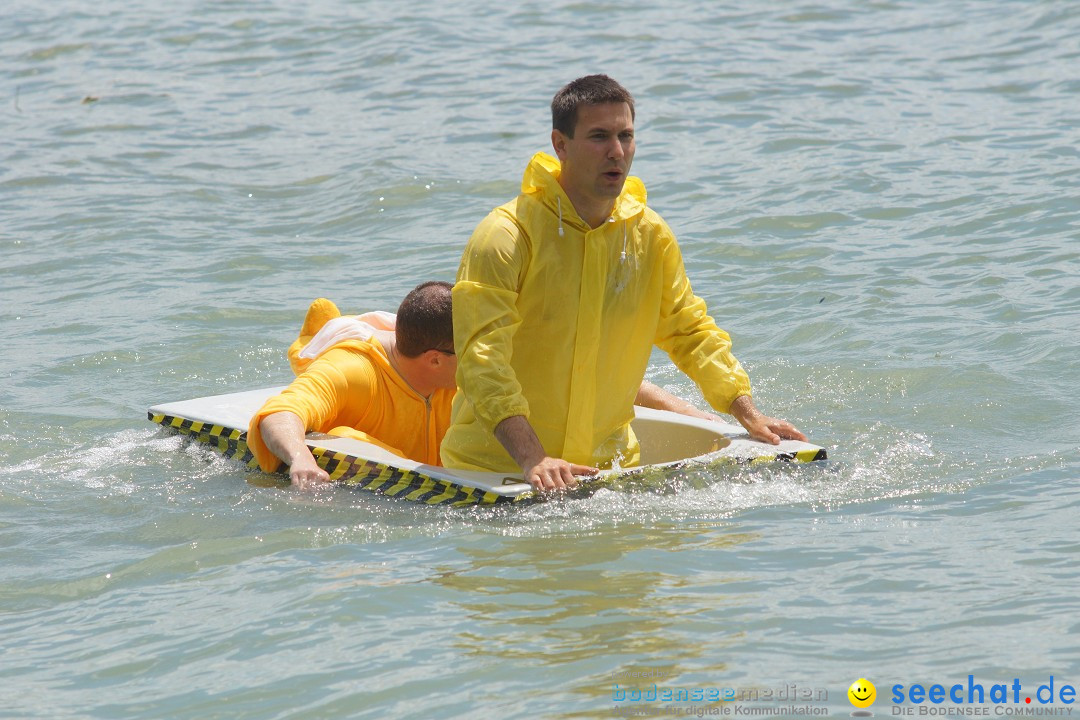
column 424, row 320
column 588, row 90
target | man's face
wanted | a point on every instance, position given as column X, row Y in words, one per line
column 596, row 161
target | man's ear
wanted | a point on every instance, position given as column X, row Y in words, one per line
column 558, row 144
column 434, row 358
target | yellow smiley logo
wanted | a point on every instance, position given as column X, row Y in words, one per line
column 862, row 693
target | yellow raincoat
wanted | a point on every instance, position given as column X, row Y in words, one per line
column 555, row 321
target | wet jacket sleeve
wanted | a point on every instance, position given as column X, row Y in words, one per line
column 318, row 397
column 690, row 337
column 486, row 318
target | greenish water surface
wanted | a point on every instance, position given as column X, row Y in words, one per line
column 878, row 200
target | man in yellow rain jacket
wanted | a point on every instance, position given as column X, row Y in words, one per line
column 559, row 298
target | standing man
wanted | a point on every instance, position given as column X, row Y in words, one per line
column 561, row 295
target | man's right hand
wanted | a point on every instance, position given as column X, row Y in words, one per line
column 555, row 474
column 544, row 473
column 305, row 474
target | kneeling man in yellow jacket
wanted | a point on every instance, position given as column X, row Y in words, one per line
column 393, row 388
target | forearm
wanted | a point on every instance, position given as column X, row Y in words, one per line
column 744, row 410
column 652, row 396
column 538, row 469
column 283, row 433
column 520, row 440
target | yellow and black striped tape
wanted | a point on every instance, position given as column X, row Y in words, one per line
column 346, row 469
column 799, row 456
column 230, row 442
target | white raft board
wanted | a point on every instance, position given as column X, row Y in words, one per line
column 668, row 441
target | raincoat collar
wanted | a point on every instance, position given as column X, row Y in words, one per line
column 541, row 180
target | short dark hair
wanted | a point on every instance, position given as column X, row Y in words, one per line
column 588, row 90
column 425, row 321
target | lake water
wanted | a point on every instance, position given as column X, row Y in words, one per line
column 878, row 200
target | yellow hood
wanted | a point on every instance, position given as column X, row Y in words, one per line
column 541, row 180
